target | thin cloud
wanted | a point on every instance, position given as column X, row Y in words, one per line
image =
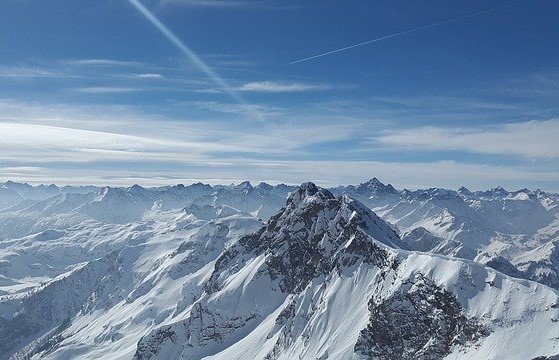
column 207, row 3
column 107, row 90
column 207, row 91
column 532, row 139
column 445, row 103
column 533, row 86
column 149, row 76
column 281, row 87
column 225, row 4
column 89, row 133
column 58, row 71
column 29, row 72
column 240, row 109
column 103, row 62
column 26, row 142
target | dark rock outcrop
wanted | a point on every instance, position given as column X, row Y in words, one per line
column 422, row 321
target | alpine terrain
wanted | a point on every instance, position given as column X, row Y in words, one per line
column 277, row 272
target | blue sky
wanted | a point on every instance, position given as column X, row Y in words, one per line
column 95, row 92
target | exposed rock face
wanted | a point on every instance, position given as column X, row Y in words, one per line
column 421, row 321
column 203, row 327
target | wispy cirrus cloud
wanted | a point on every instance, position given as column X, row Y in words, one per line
column 223, row 4
column 108, row 90
column 239, row 109
column 100, row 131
column 148, row 76
column 532, row 139
column 103, row 62
column 282, row 87
column 29, row 72
column 206, row 3
column 540, row 85
column 445, row 103
column 110, row 69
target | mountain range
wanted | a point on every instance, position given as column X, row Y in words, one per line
column 277, row 272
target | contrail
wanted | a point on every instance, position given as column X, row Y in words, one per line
column 192, row 56
column 401, row 33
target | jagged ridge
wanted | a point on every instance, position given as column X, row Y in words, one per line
column 314, row 234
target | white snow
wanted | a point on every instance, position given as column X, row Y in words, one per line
column 121, row 263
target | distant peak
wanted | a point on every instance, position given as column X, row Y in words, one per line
column 499, row 189
column 245, row 185
column 375, row 185
column 109, row 191
column 136, row 189
column 264, row 185
column 19, row 184
column 373, row 181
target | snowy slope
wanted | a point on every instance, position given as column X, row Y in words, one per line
column 9, row 197
column 305, row 287
column 494, row 224
column 145, row 267
column 190, row 272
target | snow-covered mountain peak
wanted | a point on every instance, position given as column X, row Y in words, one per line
column 245, row 187
column 465, row 192
column 434, row 194
column 27, row 191
column 495, row 193
column 375, row 187
column 200, row 185
column 319, row 212
column 136, row 189
column 314, row 234
column 308, row 193
column 263, row 186
column 105, row 192
column 109, row 193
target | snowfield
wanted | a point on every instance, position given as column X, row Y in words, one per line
column 277, row 272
